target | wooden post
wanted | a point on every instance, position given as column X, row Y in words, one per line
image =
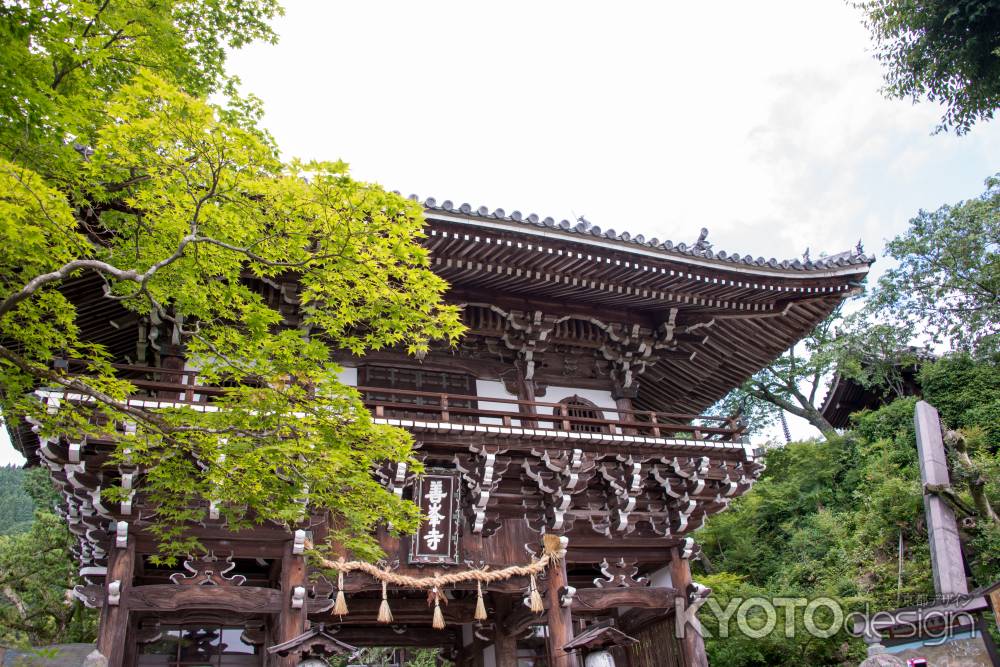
column 113, row 633
column 504, row 643
column 525, row 392
column 942, row 528
column 692, row 644
column 560, row 619
column 291, row 622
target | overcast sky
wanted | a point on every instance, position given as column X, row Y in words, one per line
column 761, row 121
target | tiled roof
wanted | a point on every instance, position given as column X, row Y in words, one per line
column 700, row 248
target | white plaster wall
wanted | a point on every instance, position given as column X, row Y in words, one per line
column 661, row 578
column 489, row 656
column 348, row 376
column 495, row 389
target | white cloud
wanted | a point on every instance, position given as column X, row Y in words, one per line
column 761, row 121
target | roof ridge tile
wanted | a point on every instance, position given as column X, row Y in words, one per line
column 582, row 226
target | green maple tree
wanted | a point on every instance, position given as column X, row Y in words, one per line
column 114, row 164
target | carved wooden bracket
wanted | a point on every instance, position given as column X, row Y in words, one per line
column 632, row 349
column 482, row 472
column 558, row 477
column 528, row 334
column 626, row 480
column 621, row 574
column 395, row 477
column 208, row 571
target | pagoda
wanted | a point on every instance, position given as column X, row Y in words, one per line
column 564, row 435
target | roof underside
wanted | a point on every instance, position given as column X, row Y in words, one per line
column 737, row 317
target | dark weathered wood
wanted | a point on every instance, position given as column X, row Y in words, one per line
column 559, row 618
column 381, row 635
column 238, row 600
column 408, row 611
column 635, row 620
column 291, row 622
column 602, row 599
column 113, row 632
column 658, row 646
column 692, row 644
column 505, row 641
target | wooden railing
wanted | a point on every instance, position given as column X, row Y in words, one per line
column 423, row 406
column 432, row 407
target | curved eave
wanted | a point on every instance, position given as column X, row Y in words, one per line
column 843, row 264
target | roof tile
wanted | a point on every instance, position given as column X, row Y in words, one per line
column 847, row 258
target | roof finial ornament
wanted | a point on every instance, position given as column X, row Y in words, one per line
column 859, row 249
column 587, row 224
column 805, row 255
column 702, row 243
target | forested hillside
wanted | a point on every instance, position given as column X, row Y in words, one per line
column 36, row 566
column 829, row 518
column 16, row 506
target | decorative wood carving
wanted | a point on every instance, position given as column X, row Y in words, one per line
column 528, row 334
column 208, row 571
column 626, row 479
column 558, row 476
column 91, row 595
column 395, row 477
column 620, row 574
column 482, row 473
column 632, row 349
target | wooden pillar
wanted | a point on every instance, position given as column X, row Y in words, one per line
column 112, row 634
column 504, row 643
column 525, row 392
column 623, row 399
column 692, row 644
column 560, row 619
column 947, row 562
column 291, row 622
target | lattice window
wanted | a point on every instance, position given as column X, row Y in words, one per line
column 199, row 645
column 578, row 408
column 425, row 407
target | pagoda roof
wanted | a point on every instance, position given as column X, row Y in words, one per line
column 699, row 252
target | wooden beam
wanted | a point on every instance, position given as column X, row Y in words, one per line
column 236, row 599
column 112, row 635
column 408, row 611
column 381, row 635
column 588, row 600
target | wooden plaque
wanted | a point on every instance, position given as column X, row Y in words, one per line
column 436, row 541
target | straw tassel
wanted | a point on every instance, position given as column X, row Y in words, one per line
column 340, row 605
column 552, row 546
column 480, row 614
column 384, row 613
column 438, row 623
column 535, row 598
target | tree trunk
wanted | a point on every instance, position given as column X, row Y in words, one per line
column 977, row 481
